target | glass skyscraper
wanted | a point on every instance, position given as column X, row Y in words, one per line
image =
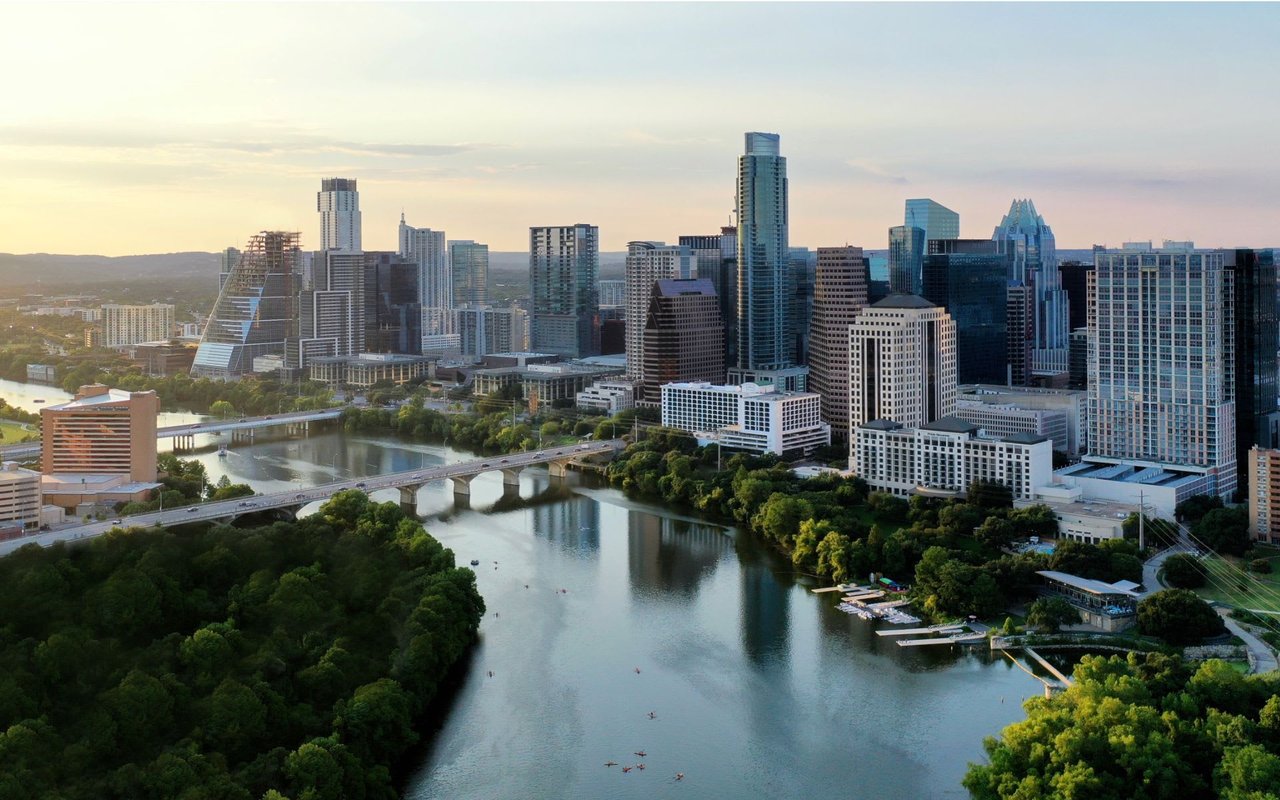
column 1257, row 421
column 968, row 277
column 924, row 220
column 1024, row 233
column 469, row 265
column 564, row 262
column 766, row 290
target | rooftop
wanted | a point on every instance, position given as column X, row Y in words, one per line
column 903, row 301
column 1089, row 585
column 96, row 394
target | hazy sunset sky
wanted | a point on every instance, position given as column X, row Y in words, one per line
column 140, row 128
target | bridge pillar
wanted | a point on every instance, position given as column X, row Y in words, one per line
column 511, row 476
column 409, row 498
column 462, row 484
column 559, row 468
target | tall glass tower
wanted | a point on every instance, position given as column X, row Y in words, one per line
column 1024, row 233
column 924, row 220
column 766, row 294
column 564, row 262
column 338, row 203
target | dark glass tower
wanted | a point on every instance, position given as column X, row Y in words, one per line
column 766, row 291
column 1255, row 353
column 968, row 278
column 393, row 315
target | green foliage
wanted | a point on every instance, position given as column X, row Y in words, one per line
column 1224, row 530
column 288, row 661
column 222, row 409
column 1178, row 617
column 988, row 495
column 1051, row 613
column 1193, row 509
column 1183, row 571
column 1138, row 729
column 1261, row 566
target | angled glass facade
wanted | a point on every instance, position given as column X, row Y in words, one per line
column 766, row 290
column 1024, row 233
column 968, row 278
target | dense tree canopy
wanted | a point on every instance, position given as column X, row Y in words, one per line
column 1183, row 571
column 1178, row 617
column 1224, row 530
column 227, row 663
column 1141, row 728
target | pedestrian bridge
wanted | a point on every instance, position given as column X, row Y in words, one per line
column 408, row 482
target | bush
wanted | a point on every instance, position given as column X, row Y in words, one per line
column 1178, row 617
column 1260, row 565
column 1183, row 571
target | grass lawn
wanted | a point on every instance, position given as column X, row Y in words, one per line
column 1255, row 591
column 11, row 432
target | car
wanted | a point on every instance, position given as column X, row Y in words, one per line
column 540, row 453
column 505, row 461
column 485, row 466
column 192, row 510
column 584, row 447
column 298, row 496
column 266, row 417
column 117, row 521
column 360, row 485
column 242, row 505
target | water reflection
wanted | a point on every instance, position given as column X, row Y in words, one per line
column 668, row 558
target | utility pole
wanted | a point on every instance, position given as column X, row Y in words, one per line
column 1142, row 517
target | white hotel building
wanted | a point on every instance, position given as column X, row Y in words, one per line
column 750, row 416
column 942, row 458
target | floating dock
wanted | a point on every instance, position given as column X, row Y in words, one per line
column 960, row 638
column 948, row 629
column 855, row 598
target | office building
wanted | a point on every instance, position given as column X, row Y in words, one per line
column 923, row 221
column 613, row 293
column 164, row 358
column 969, row 278
column 331, row 308
column 363, row 370
column 944, row 457
column 766, row 289
column 99, row 447
column 608, row 396
column 1080, row 518
column 490, row 329
column 1078, row 359
column 754, row 417
column 804, row 266
column 227, row 260
column 1068, row 404
column 1007, row 419
column 647, row 263
column 541, row 383
column 716, row 256
column 427, row 249
column 469, row 262
column 682, row 340
column 338, row 203
column 1024, row 234
column 564, row 262
column 125, row 325
column 1254, row 287
column 19, row 497
column 1161, row 365
column 392, row 308
column 1075, row 282
column 1020, row 326
column 1264, row 494
column 256, row 310
column 839, row 294
column 902, row 362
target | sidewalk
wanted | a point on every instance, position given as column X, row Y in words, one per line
column 1261, row 658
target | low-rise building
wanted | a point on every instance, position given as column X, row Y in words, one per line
column 1157, row 487
column 758, row 418
column 1071, row 404
column 366, row 369
column 609, row 397
column 19, row 497
column 164, row 358
column 1080, row 518
column 1264, row 495
column 541, row 383
column 1110, row 607
column 942, row 458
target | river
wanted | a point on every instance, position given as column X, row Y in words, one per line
column 25, row 395
column 759, row 688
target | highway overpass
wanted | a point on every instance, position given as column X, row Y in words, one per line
column 408, row 482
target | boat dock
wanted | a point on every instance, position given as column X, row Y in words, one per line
column 847, row 588
column 857, row 598
column 1054, row 671
column 957, row 638
column 912, row 631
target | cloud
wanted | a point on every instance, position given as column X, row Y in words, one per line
column 868, row 169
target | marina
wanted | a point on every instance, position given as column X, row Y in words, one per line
column 855, row 603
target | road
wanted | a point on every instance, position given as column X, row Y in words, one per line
column 204, row 512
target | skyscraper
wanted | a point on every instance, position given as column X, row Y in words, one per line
column 804, row 263
column 839, row 293
column 469, row 262
column 1074, row 276
column 227, row 259
column 256, row 310
column 564, row 262
column 338, row 203
column 902, row 362
column 924, row 220
column 766, row 290
column 331, row 309
column 1162, row 362
column 1024, row 233
column 428, row 250
column 683, row 337
column 648, row 262
column 393, row 315
column 968, row 278
column 122, row 325
column 1257, row 420
column 717, row 259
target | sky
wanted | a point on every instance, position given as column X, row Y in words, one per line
column 131, row 128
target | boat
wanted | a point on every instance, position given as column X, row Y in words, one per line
column 222, row 451
column 475, row 562
column 38, row 400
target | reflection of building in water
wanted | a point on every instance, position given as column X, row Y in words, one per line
column 671, row 555
column 765, row 612
column 575, row 523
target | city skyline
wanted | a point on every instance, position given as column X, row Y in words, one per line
column 104, row 153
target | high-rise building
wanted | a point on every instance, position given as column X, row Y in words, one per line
column 613, row 293
column 766, row 290
column 427, row 249
column 1075, row 282
column 564, row 262
column 124, row 325
column 331, row 309
column 839, row 293
column 1078, row 359
column 902, row 362
column 1024, row 233
column 227, row 259
column 924, row 221
column 1162, row 362
column 101, row 432
column 683, row 338
column 392, row 312
column 1257, row 419
column 804, row 264
column 717, row 259
column 968, row 277
column 647, row 263
column 489, row 329
column 338, row 203
column 1263, row 474
column 1020, row 321
column 469, row 262
column 256, row 310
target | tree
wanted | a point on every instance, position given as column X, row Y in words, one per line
column 1224, row 530
column 996, row 532
column 1178, row 617
column 1193, row 509
column 1183, row 571
column 990, row 495
column 222, row 409
column 1051, row 613
column 833, row 556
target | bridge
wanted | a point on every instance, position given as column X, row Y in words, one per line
column 184, row 435
column 408, row 482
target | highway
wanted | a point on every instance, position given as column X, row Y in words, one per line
column 26, row 450
column 225, row 509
